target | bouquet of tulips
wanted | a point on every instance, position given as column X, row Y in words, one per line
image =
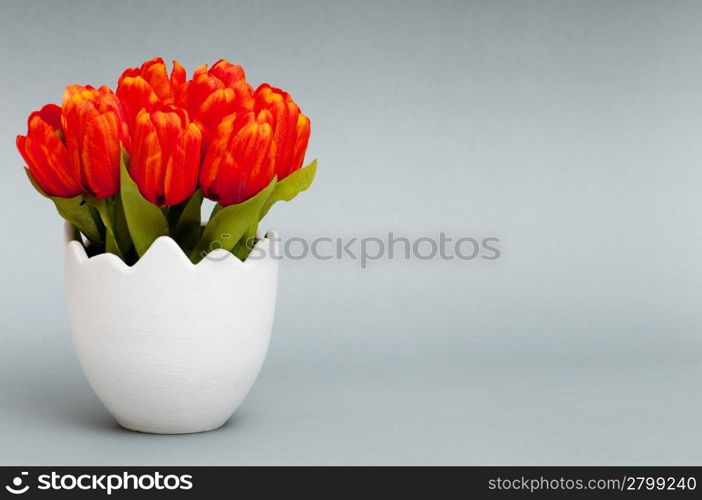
column 129, row 166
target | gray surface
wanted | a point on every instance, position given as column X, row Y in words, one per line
column 571, row 130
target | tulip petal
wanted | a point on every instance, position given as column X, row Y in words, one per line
column 227, row 72
column 177, row 76
column 155, row 72
column 136, row 94
column 302, row 137
column 239, row 162
column 285, row 122
column 183, row 166
column 100, row 155
column 46, row 156
column 166, row 159
column 95, row 127
column 146, row 166
column 51, row 114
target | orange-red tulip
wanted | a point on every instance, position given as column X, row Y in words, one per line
column 143, row 87
column 46, row 154
column 94, row 127
column 291, row 129
column 215, row 93
column 239, row 161
column 166, row 155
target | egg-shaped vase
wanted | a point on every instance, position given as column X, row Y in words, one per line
column 168, row 346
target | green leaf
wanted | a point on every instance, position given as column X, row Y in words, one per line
column 230, row 223
column 106, row 208
column 111, row 245
column 187, row 227
column 285, row 190
column 74, row 210
column 145, row 220
column 215, row 209
column 291, row 186
column 122, row 236
column 244, row 246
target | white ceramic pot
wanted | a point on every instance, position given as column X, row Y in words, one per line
column 170, row 347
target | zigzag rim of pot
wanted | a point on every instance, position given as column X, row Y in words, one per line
column 164, row 247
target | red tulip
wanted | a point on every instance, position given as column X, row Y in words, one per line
column 239, row 161
column 145, row 86
column 46, row 155
column 166, row 155
column 215, row 93
column 95, row 127
column 291, row 129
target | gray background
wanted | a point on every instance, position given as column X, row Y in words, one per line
column 570, row 130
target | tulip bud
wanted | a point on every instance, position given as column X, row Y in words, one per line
column 166, row 155
column 143, row 87
column 95, row 129
column 239, row 161
column 46, row 154
column 215, row 93
column 291, row 129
